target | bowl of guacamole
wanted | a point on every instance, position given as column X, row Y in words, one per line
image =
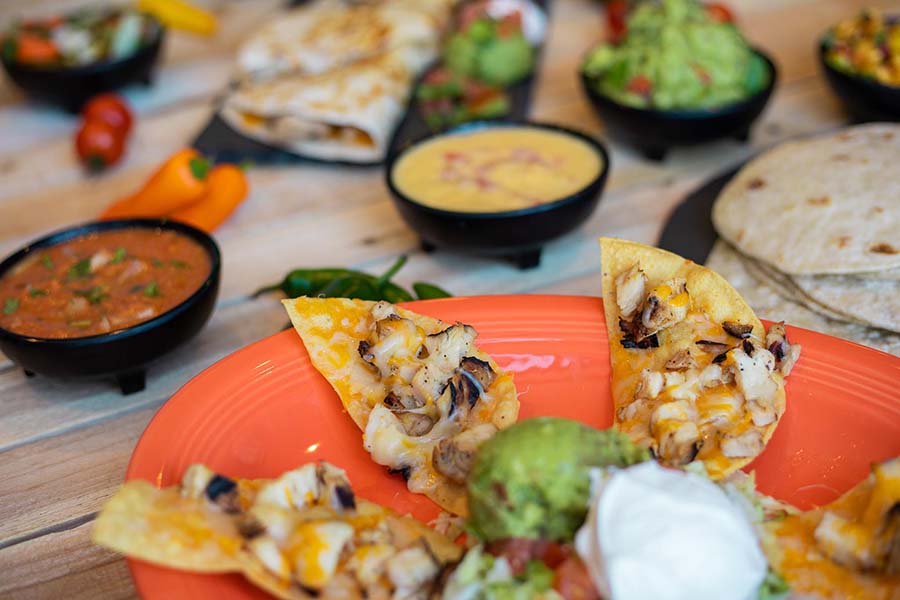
column 681, row 74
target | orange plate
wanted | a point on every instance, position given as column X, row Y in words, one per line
column 265, row 410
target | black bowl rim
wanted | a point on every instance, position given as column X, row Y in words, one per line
column 63, row 235
column 866, row 82
column 92, row 68
column 691, row 114
column 574, row 197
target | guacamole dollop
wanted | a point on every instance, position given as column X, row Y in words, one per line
column 532, row 480
column 677, row 56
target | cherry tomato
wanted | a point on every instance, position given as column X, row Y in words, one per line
column 616, row 12
column 33, row 49
column 98, row 145
column 573, row 582
column 110, row 109
column 640, row 84
column 720, row 12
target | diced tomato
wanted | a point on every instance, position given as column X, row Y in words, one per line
column 703, row 75
column 438, row 76
column 509, row 25
column 573, row 582
column 720, row 12
column 616, row 13
column 518, row 551
column 640, row 84
column 469, row 13
column 34, row 49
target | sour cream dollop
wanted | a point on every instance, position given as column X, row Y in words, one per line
column 658, row 533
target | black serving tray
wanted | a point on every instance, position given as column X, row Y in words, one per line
column 689, row 230
column 221, row 143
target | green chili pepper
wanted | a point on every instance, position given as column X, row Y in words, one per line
column 347, row 283
column 393, row 293
column 428, row 291
column 351, row 287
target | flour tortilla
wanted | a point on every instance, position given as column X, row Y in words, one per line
column 346, row 114
column 330, row 34
column 872, row 300
column 824, row 205
column 774, row 305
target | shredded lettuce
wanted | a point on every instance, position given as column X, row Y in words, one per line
column 481, row 576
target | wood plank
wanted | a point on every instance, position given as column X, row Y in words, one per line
column 63, row 565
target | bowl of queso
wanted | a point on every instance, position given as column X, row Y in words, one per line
column 498, row 188
column 105, row 299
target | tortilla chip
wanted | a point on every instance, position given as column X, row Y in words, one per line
column 709, row 293
column 159, row 526
column 331, row 329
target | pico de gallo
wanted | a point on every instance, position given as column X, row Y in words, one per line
column 867, row 45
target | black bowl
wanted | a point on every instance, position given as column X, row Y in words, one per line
column 654, row 131
column 123, row 354
column 519, row 234
column 71, row 87
column 865, row 99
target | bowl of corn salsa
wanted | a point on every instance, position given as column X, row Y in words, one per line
column 861, row 60
column 107, row 298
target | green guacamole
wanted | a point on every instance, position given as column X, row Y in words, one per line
column 532, row 480
column 676, row 56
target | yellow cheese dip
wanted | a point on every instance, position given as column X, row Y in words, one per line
column 496, row 170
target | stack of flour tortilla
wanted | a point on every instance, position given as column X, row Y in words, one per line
column 811, row 234
column 331, row 78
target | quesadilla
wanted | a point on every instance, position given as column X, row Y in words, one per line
column 331, row 34
column 847, row 549
column 423, row 394
column 826, row 205
column 301, row 536
column 695, row 376
column 345, row 114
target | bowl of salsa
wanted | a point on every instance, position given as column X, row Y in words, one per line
column 106, row 298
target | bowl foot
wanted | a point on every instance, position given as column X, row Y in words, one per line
column 654, row 154
column 132, row 381
column 427, row 247
column 743, row 136
column 529, row 259
column 28, row 373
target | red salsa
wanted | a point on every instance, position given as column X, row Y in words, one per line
column 101, row 282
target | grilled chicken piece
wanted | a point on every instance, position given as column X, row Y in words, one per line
column 785, row 353
column 674, row 425
column 447, row 348
column 871, row 541
column 453, row 457
column 666, row 305
column 199, row 480
column 681, row 360
column 650, row 386
column 749, row 443
column 412, row 570
column 753, row 374
column 416, row 424
column 738, row 330
column 310, row 484
column 630, row 287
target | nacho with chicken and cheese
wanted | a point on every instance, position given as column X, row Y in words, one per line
column 695, row 376
column 423, row 394
column 300, row 536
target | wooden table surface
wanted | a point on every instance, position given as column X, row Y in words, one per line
column 64, row 446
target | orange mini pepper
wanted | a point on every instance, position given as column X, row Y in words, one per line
column 227, row 189
column 179, row 182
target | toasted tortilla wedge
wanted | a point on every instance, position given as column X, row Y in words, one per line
column 689, row 389
column 332, row 329
column 265, row 533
